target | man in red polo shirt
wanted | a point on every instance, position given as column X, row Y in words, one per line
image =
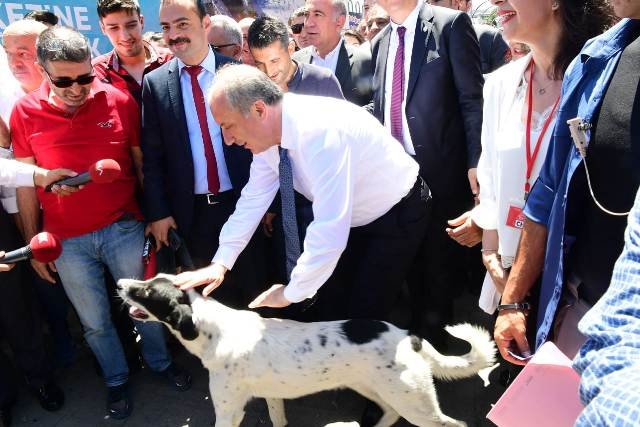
column 131, row 57
column 76, row 120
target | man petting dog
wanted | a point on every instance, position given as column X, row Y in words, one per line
column 370, row 205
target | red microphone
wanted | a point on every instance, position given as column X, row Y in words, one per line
column 43, row 247
column 101, row 172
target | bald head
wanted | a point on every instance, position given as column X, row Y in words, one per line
column 19, row 41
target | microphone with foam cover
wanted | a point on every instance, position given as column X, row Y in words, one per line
column 101, row 172
column 43, row 247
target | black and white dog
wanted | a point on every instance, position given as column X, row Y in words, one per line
column 248, row 356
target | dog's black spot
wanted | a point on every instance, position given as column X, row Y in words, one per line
column 226, row 366
column 362, row 331
column 337, row 343
column 325, row 370
column 299, row 367
column 389, row 366
column 378, row 367
column 323, row 340
column 416, row 343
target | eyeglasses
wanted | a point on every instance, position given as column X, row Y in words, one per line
column 66, row 83
column 220, row 46
column 297, row 28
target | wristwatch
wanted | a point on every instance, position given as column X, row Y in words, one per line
column 518, row 306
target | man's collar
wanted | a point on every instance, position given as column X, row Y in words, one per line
column 151, row 55
column 410, row 21
column 209, row 62
column 314, row 51
column 612, row 41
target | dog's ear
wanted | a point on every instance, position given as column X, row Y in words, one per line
column 181, row 320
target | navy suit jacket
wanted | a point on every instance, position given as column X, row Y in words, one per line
column 168, row 164
column 444, row 98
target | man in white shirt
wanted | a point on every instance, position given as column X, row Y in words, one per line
column 350, row 64
column 19, row 40
column 369, row 203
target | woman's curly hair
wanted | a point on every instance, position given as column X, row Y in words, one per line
column 581, row 21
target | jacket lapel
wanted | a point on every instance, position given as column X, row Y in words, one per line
column 381, row 66
column 424, row 39
column 343, row 67
column 175, row 97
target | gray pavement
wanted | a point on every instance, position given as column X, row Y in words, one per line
column 157, row 404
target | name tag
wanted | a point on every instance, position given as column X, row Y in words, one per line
column 515, row 215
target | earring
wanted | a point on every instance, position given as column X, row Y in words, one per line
column 555, row 5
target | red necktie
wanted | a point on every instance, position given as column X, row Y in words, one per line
column 397, row 88
column 198, row 98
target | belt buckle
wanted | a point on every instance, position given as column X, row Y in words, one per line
column 211, row 199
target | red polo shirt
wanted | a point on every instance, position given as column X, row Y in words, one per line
column 108, row 69
column 105, row 127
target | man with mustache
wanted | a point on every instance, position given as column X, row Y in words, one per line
column 192, row 180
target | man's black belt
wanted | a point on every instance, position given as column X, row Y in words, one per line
column 214, row 199
column 421, row 187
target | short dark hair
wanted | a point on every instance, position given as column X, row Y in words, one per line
column 266, row 30
column 43, row 16
column 62, row 44
column 198, row 5
column 105, row 7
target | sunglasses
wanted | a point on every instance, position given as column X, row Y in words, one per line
column 297, row 28
column 220, row 46
column 66, row 83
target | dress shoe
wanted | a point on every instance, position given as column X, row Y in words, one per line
column 5, row 415
column 50, row 396
column 177, row 377
column 119, row 404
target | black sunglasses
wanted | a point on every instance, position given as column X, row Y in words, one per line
column 297, row 28
column 65, row 83
column 220, row 46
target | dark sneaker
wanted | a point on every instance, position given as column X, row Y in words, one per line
column 177, row 377
column 50, row 396
column 119, row 404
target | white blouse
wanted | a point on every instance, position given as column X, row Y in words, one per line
column 502, row 164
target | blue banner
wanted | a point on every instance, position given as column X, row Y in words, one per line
column 82, row 15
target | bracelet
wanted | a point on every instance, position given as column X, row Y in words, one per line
column 488, row 250
column 518, row 306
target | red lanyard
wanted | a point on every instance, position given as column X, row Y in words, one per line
column 531, row 159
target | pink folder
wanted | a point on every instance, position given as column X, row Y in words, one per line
column 544, row 394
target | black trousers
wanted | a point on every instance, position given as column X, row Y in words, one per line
column 20, row 321
column 375, row 263
column 438, row 275
column 247, row 279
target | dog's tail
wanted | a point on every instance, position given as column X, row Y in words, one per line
column 482, row 354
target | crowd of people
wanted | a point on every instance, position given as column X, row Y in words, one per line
column 312, row 173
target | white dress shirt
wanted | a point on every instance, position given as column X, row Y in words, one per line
column 410, row 24
column 205, row 78
column 12, row 174
column 330, row 61
column 502, row 165
column 352, row 170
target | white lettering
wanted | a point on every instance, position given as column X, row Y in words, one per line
column 12, row 14
column 94, row 47
column 81, row 18
column 33, row 7
column 66, row 18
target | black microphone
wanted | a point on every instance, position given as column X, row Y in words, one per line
column 44, row 247
column 101, row 172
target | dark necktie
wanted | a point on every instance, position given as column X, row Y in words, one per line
column 397, row 88
column 289, row 220
column 198, row 98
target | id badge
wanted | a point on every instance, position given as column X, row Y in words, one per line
column 515, row 215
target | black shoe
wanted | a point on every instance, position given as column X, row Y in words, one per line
column 177, row 377
column 50, row 396
column 119, row 404
column 5, row 415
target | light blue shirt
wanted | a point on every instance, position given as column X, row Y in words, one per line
column 205, row 78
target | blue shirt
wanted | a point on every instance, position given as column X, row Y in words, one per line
column 205, row 78
column 583, row 90
column 609, row 361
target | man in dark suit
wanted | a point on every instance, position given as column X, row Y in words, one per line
column 493, row 48
column 350, row 64
column 428, row 92
column 192, row 180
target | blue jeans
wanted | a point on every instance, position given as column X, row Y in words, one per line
column 117, row 247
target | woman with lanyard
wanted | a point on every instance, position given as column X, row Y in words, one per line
column 520, row 104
